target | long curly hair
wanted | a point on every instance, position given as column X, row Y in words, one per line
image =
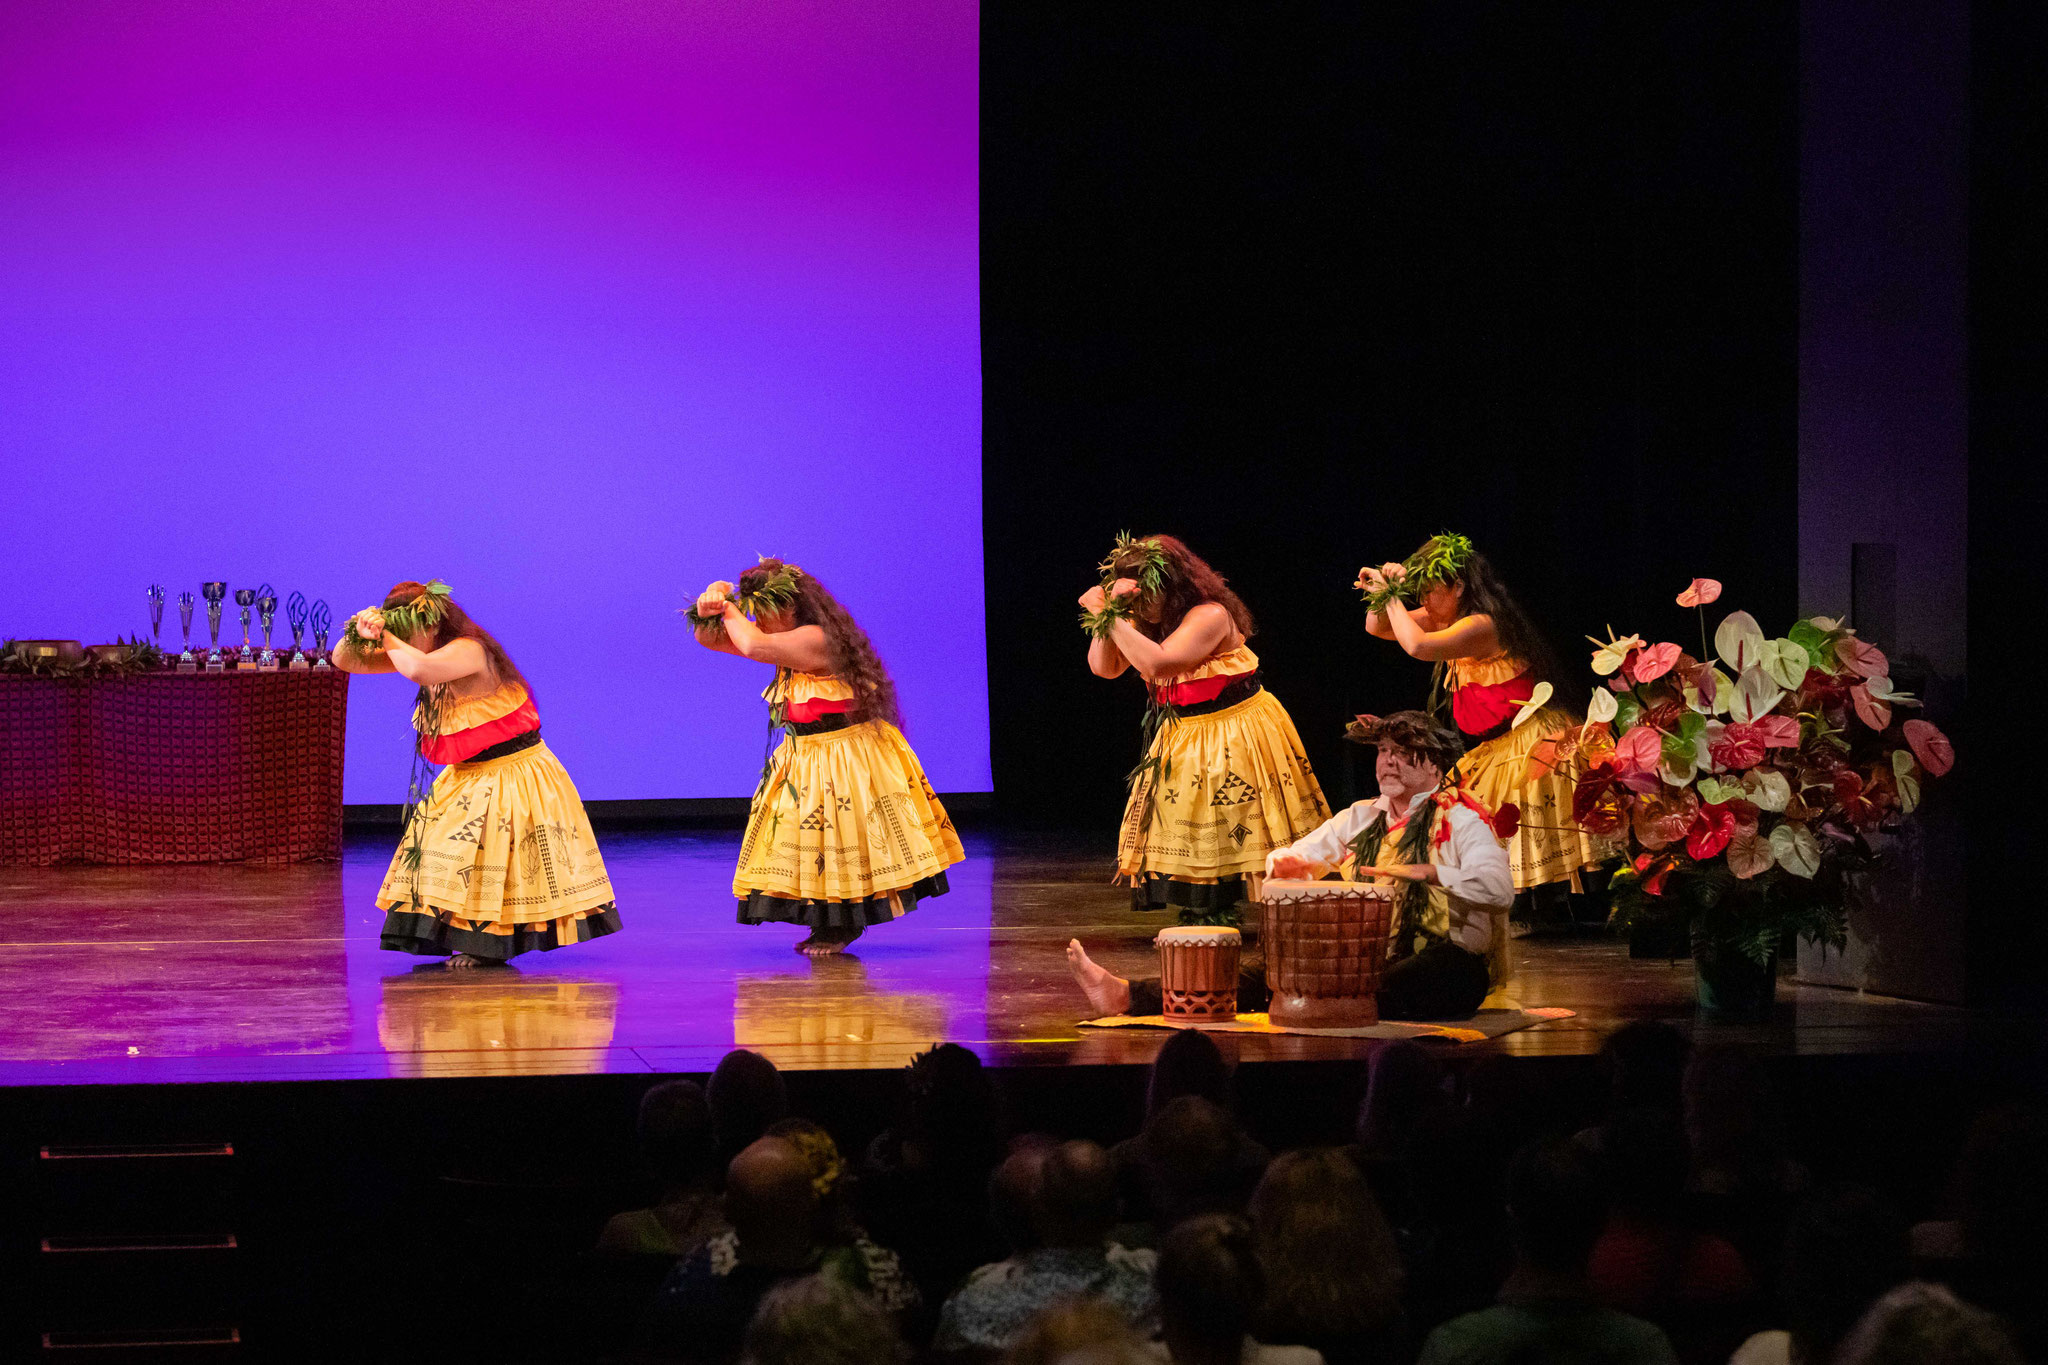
column 1189, row 583
column 457, row 624
column 1482, row 592
column 854, row 659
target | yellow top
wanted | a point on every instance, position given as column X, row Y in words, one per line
column 1488, row 672
column 1229, row 663
column 467, row 712
column 803, row 687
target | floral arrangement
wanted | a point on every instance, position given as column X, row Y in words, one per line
column 1442, row 558
column 1746, row 780
column 775, row 596
column 1150, row 572
column 132, row 655
column 365, row 630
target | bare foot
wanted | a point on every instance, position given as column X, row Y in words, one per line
column 1107, row 992
column 463, row 962
column 826, row 942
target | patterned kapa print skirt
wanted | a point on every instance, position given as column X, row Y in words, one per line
column 507, row 864
column 846, row 832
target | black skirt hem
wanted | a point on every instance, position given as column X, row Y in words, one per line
column 407, row 931
column 1158, row 891
column 759, row 907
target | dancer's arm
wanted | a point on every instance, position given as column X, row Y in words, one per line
column 1104, row 659
column 348, row 659
column 804, row 648
column 711, row 602
column 1376, row 623
column 1468, row 637
column 1200, row 634
column 460, row 658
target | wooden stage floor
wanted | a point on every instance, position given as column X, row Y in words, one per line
column 200, row 974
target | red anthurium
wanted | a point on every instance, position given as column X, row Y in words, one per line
column 1776, row 732
column 1652, row 882
column 1700, row 592
column 1930, row 746
column 1849, row 795
column 1739, row 747
column 1508, row 820
column 1703, row 682
column 1711, row 830
column 1663, row 820
column 1653, row 662
column 1745, row 813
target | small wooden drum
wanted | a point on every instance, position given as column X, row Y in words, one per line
column 1326, row 946
column 1198, row 971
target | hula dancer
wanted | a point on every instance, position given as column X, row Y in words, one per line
column 1445, row 604
column 845, row 830
column 1224, row 780
column 497, row 857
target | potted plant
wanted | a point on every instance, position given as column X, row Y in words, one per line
column 1744, row 782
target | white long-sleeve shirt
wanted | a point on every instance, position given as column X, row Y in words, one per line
column 1471, row 865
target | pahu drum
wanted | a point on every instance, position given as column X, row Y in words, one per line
column 1198, row 971
column 1326, row 947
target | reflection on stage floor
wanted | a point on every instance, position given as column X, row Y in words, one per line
column 231, row 973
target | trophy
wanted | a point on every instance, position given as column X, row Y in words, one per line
column 214, row 593
column 266, row 611
column 245, row 598
column 186, row 663
column 322, row 619
column 156, row 616
column 295, row 616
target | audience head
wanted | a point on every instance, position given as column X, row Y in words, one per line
column 1645, row 1163
column 1013, row 1192
column 821, row 1158
column 2004, row 1186
column 1076, row 1204
column 953, row 1115
column 1844, row 1248
column 746, row 1094
column 1189, row 1063
column 1730, row 1118
column 1925, row 1324
column 674, row 1130
column 1188, row 1161
column 771, row 1203
column 1644, row 1062
column 818, row 1321
column 1084, row 1331
column 1555, row 1206
column 1210, row 1288
column 1405, row 1085
column 1329, row 1259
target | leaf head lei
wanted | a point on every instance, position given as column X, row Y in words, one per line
column 1442, row 558
column 773, row 597
column 423, row 612
column 1143, row 561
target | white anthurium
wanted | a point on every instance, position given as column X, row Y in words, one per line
column 1908, row 781
column 1538, row 696
column 1680, row 774
column 1603, row 706
column 1785, row 662
column 1739, row 641
column 1796, row 850
column 1882, row 690
column 1704, row 742
column 1768, row 787
column 1755, row 693
column 1613, row 651
column 1714, row 791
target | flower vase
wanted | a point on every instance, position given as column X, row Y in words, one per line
column 1731, row 986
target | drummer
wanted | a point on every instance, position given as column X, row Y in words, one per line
column 1434, row 841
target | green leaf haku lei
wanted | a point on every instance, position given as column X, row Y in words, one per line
column 408, row 618
column 772, row 598
column 1152, row 574
column 1442, row 558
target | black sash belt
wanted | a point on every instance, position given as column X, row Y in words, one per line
column 504, row 747
column 823, row 725
column 1240, row 689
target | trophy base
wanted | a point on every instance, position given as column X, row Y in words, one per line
column 323, row 665
column 216, row 666
column 270, row 667
column 298, row 665
column 188, row 665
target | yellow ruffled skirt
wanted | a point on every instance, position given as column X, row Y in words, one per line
column 1548, row 847
column 508, row 864
column 846, row 832
column 1218, row 793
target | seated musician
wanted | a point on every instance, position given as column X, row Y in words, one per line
column 1450, row 918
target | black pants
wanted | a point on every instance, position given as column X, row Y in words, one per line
column 1443, row 981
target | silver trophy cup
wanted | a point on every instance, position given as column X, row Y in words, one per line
column 266, row 611
column 215, row 594
column 156, row 616
column 295, row 616
column 186, row 663
column 245, row 598
column 322, row 619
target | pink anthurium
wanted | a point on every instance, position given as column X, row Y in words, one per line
column 1639, row 750
column 1654, row 662
column 1862, row 658
column 1872, row 712
column 1930, row 746
column 1776, row 732
column 1749, row 853
column 1700, row 592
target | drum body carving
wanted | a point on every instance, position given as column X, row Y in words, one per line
column 1198, row 971
column 1326, row 948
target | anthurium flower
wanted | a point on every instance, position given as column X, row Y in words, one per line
column 1739, row 641
column 1869, row 709
column 1652, row 881
column 1745, row 813
column 1663, row 819
column 1596, row 806
column 1776, row 731
column 1769, row 788
column 1609, row 655
column 1930, row 746
column 1700, row 592
column 1601, row 706
column 1639, row 750
column 1507, row 820
column 1711, row 830
column 1756, row 693
column 1653, row 662
column 1786, row 661
column 1749, row 854
column 1739, row 747
column 1796, row 850
column 1862, row 658
column 1538, row 696
column 1903, row 777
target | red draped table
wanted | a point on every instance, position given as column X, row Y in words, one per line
column 172, row 768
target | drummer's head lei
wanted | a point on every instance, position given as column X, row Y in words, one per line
column 1442, row 559
column 1146, row 563
column 1413, row 733
column 409, row 616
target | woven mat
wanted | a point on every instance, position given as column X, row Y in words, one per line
column 1488, row 1023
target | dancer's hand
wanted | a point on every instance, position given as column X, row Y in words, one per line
column 1369, row 580
column 1094, row 599
column 1291, row 867
column 1124, row 587
column 711, row 602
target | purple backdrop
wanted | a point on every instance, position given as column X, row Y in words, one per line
column 576, row 307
